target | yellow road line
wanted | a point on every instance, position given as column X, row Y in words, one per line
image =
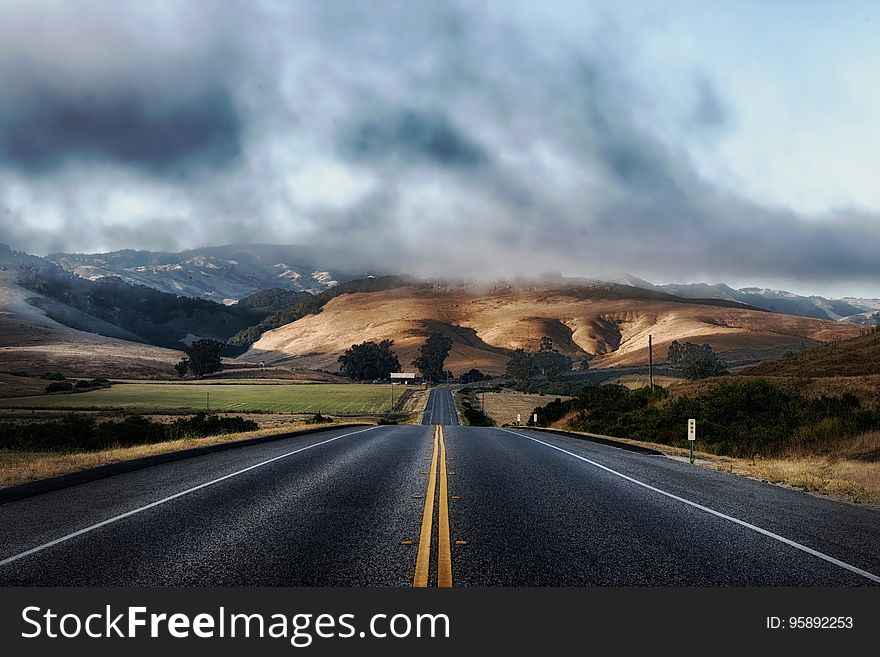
column 420, row 579
column 444, row 556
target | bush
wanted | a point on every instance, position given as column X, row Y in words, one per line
column 59, row 386
column 52, row 376
column 317, row 418
column 77, row 432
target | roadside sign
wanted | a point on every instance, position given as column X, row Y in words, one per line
column 519, row 418
column 535, row 417
column 692, row 429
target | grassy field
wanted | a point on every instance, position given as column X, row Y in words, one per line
column 240, row 397
column 503, row 407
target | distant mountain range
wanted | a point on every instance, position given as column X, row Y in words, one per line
column 848, row 309
column 229, row 273
column 222, row 273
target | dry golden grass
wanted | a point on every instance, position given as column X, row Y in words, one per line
column 414, row 405
column 641, row 380
column 858, row 356
column 485, row 324
column 21, row 467
column 503, row 407
column 19, row 386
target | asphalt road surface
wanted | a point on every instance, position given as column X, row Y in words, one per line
column 440, row 408
column 434, row 505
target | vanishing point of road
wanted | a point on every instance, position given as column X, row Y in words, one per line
column 435, row 504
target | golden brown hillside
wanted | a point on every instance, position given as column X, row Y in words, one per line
column 858, row 356
column 596, row 323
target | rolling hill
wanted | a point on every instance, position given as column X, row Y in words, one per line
column 858, row 356
column 604, row 323
column 33, row 342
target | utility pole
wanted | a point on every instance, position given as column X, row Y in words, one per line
column 392, row 396
column 651, row 361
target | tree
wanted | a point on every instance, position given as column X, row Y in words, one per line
column 519, row 366
column 368, row 361
column 204, row 357
column 695, row 361
column 182, row 368
column 432, row 355
column 548, row 361
column 473, row 376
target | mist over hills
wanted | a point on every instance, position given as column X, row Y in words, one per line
column 231, row 272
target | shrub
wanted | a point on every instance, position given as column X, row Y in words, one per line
column 738, row 418
column 317, row 418
column 78, row 432
column 52, row 376
column 59, row 386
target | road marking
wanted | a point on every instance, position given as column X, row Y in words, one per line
column 420, row 578
column 164, row 500
column 444, row 556
column 742, row 523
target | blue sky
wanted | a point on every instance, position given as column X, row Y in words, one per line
column 678, row 141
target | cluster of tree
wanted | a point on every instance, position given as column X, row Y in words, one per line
column 547, row 362
column 155, row 317
column 271, row 300
column 369, row 361
column 432, row 355
column 695, row 361
column 203, row 357
column 77, row 431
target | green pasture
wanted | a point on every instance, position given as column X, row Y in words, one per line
column 333, row 399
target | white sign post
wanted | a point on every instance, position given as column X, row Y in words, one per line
column 692, row 435
column 535, row 418
column 519, row 418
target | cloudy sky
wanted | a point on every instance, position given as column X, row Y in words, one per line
column 674, row 140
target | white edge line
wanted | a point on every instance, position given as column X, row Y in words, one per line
column 103, row 523
column 742, row 523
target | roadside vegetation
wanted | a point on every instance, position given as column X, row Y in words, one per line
column 741, row 418
column 79, row 432
column 468, row 402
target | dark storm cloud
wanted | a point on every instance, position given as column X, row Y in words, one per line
column 155, row 132
column 485, row 146
column 412, row 136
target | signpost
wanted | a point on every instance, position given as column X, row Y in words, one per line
column 692, row 436
column 535, row 418
column 519, row 418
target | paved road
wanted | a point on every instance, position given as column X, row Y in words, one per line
column 440, row 408
column 348, row 507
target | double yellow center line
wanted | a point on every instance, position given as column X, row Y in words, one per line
column 444, row 555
